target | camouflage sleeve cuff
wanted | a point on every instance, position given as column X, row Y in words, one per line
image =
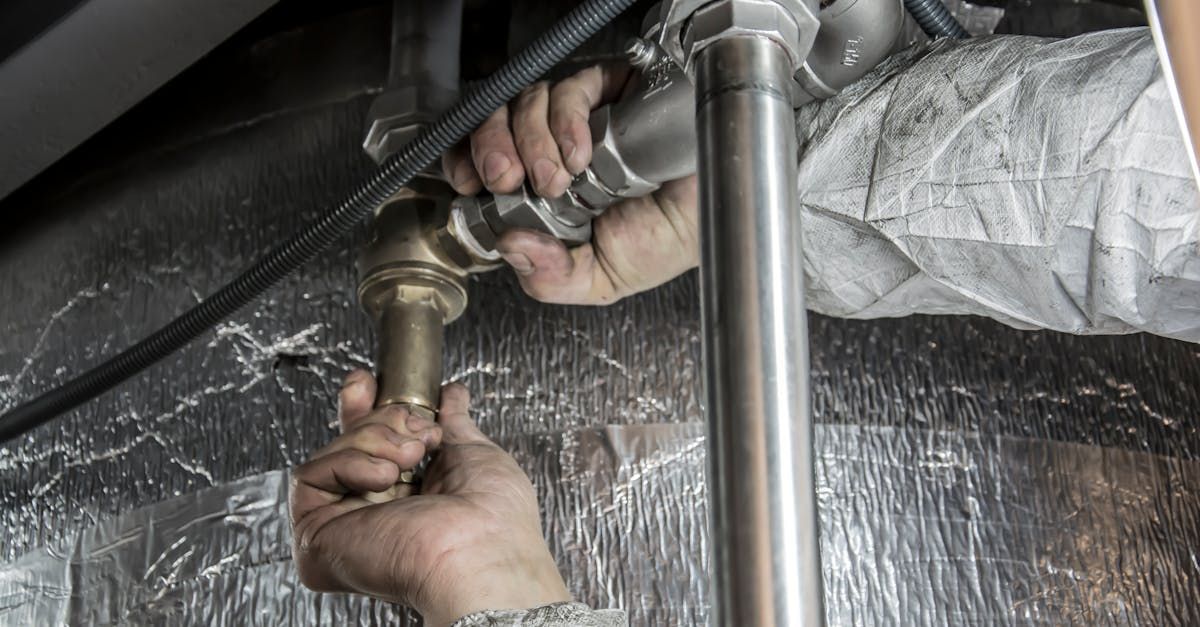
column 554, row 615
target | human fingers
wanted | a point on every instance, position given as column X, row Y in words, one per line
column 539, row 152
column 460, row 171
column 495, row 155
column 394, row 442
column 551, row 273
column 326, row 481
column 356, row 398
column 572, row 102
column 455, row 419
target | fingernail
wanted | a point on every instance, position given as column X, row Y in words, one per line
column 568, row 149
column 494, row 166
column 520, row 263
column 352, row 380
column 427, row 437
column 544, row 172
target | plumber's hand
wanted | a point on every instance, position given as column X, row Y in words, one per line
column 470, row 541
column 636, row 244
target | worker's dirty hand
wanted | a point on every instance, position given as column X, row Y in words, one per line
column 636, row 244
column 471, row 540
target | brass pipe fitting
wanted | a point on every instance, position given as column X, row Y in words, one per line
column 411, row 289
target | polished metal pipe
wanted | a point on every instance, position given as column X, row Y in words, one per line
column 426, row 38
column 766, row 561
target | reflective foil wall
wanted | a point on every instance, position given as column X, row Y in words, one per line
column 970, row 473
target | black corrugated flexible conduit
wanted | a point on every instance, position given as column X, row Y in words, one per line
column 469, row 112
column 935, row 19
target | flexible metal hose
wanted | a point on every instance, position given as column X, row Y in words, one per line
column 470, row 111
column 935, row 19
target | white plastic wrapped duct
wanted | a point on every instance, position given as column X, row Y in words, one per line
column 1043, row 183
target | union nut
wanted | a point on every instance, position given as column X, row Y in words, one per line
column 526, row 210
column 478, row 222
column 608, row 169
column 791, row 23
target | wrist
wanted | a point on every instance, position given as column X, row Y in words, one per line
column 509, row 582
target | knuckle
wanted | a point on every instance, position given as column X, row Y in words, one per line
column 568, row 96
column 488, row 133
column 396, row 416
column 530, row 95
column 379, row 474
column 489, row 138
column 561, row 125
column 528, row 143
column 497, row 116
column 369, row 436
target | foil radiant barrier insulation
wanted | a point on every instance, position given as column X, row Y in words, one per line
column 920, row 527
column 1040, row 182
column 970, row 472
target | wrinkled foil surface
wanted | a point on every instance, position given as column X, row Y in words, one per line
column 919, row 527
column 969, row 472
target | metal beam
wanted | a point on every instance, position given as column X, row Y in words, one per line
column 93, row 65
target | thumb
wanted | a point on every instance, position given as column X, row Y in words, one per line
column 551, row 273
column 455, row 419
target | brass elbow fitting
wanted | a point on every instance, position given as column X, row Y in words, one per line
column 411, row 289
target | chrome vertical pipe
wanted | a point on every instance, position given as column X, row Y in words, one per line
column 426, row 37
column 766, row 562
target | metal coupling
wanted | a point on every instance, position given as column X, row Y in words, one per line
column 411, row 288
column 855, row 37
column 778, row 21
column 477, row 222
column 685, row 27
column 397, row 116
column 638, row 143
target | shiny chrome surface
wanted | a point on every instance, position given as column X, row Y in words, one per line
column 766, row 557
column 423, row 73
column 855, row 37
column 1176, row 24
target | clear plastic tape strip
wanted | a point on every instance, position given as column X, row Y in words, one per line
column 919, row 527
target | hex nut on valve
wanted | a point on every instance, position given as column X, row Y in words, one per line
column 592, row 195
column 397, row 115
column 607, row 163
column 477, row 223
column 791, row 23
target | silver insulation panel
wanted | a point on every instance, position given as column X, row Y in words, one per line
column 920, row 527
column 970, row 473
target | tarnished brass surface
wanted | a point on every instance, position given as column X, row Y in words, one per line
column 411, row 288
